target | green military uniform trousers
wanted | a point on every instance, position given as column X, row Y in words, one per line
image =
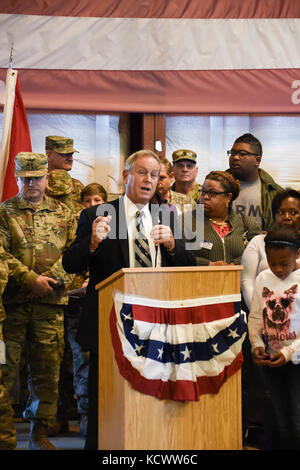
column 7, row 431
column 41, row 326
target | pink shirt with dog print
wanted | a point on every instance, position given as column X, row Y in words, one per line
column 274, row 320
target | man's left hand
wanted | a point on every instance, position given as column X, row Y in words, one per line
column 162, row 234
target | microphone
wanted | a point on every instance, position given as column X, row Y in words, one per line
column 156, row 245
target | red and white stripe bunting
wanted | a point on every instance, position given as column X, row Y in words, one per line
column 167, row 56
column 177, row 350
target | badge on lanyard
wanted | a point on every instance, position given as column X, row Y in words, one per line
column 206, row 245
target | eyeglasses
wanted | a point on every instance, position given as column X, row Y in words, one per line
column 211, row 193
column 241, row 153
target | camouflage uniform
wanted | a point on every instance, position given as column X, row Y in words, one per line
column 185, row 154
column 7, row 432
column 182, row 201
column 64, row 145
column 34, row 237
column 60, row 187
column 76, row 191
column 195, row 193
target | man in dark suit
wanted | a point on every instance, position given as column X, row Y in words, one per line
column 105, row 243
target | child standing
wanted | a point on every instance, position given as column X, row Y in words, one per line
column 93, row 194
column 274, row 331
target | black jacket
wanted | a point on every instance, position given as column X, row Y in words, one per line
column 111, row 255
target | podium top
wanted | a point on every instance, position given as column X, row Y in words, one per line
column 166, row 269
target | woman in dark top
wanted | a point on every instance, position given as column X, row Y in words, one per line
column 226, row 234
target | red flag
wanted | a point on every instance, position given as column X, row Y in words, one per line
column 15, row 136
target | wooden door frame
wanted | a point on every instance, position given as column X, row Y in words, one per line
column 154, row 133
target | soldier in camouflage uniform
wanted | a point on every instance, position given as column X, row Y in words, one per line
column 60, row 186
column 59, row 151
column 185, row 173
column 34, row 231
column 183, row 202
column 75, row 363
column 7, row 432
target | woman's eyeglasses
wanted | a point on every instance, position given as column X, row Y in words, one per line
column 211, row 193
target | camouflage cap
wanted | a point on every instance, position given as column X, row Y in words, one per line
column 60, row 144
column 28, row 164
column 59, row 183
column 184, row 154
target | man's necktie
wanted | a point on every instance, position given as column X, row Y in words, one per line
column 141, row 246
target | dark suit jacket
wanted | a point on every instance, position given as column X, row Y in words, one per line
column 111, row 255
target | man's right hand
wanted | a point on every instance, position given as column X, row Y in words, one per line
column 42, row 287
column 100, row 229
column 218, row 263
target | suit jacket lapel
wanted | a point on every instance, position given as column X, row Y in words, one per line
column 122, row 233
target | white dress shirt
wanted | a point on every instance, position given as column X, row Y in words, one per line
column 130, row 214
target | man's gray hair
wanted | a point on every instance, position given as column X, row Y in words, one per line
column 130, row 162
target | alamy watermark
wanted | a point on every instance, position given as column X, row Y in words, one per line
column 296, row 94
column 189, row 226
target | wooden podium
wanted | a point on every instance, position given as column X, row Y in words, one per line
column 130, row 420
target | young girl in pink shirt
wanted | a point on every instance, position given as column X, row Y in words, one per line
column 274, row 331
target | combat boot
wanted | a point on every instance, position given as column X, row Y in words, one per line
column 83, row 425
column 38, row 437
column 58, row 428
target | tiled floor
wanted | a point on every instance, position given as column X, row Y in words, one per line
column 69, row 441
